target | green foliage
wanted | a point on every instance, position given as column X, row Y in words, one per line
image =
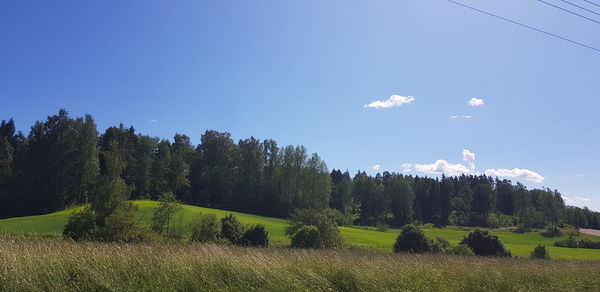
column 551, row 231
column 540, row 252
column 307, row 236
column 167, row 208
column 461, row 250
column 256, row 235
column 81, row 225
column 233, row 230
column 329, row 233
column 121, row 226
column 206, row 228
column 571, row 242
column 483, row 243
column 412, row 240
column 497, row 219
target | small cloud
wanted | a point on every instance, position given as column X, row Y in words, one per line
column 461, row 117
column 406, row 167
column 469, row 157
column 567, row 200
column 153, row 121
column 582, row 199
column 476, row 102
column 376, row 167
column 579, row 175
column 442, row 166
column 516, row 173
column 393, row 101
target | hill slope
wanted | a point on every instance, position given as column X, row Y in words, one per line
column 518, row 244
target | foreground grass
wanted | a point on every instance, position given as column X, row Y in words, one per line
column 358, row 238
column 55, row 265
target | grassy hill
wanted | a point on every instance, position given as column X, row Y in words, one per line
column 360, row 238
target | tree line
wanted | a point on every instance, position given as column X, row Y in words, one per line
column 65, row 161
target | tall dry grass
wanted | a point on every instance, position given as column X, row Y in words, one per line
column 53, row 265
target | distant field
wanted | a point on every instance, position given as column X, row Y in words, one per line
column 358, row 238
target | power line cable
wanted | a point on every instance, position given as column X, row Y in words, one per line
column 588, row 1
column 581, row 7
column 524, row 25
column 569, row 11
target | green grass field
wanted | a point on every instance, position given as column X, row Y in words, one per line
column 358, row 238
column 49, row 264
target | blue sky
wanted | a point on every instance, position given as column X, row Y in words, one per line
column 301, row 72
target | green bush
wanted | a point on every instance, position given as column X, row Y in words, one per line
column 308, row 236
column 121, row 225
column 461, row 250
column 206, row 228
column 540, row 252
column 256, row 235
column 231, row 229
column 81, row 225
column 412, row 240
column 483, row 243
column 570, row 242
column 587, row 243
column 551, row 232
column 329, row 233
column 161, row 218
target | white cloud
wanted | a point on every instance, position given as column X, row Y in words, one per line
column 406, row 167
column 442, row 166
column 476, row 102
column 394, row 100
column 516, row 173
column 582, row 199
column 567, row 200
column 376, row 167
column 461, row 117
column 153, row 121
column 469, row 157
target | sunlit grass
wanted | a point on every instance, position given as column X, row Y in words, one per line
column 357, row 238
column 37, row 264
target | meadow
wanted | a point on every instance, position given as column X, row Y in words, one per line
column 50, row 264
column 357, row 238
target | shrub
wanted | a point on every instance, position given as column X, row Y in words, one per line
column 540, row 252
column 329, row 233
column 441, row 244
column 162, row 215
column 483, row 243
column 308, row 236
column 461, row 250
column 551, row 232
column 80, row 225
column 121, row 225
column 231, row 229
column 570, row 242
column 256, row 235
column 412, row 240
column 206, row 228
column 587, row 243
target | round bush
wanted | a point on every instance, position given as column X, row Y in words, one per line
column 412, row 240
column 256, row 235
column 483, row 243
column 80, row 225
column 308, row 236
column 206, row 228
column 540, row 252
column 231, row 229
column 461, row 250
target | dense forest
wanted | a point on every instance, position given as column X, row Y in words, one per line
column 63, row 160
